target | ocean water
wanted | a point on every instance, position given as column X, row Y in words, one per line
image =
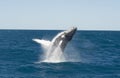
column 94, row 54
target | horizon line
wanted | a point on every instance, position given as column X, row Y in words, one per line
column 60, row 29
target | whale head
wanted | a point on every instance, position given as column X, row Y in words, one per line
column 68, row 34
column 64, row 37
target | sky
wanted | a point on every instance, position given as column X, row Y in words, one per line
column 60, row 14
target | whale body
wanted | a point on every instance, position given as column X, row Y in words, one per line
column 61, row 40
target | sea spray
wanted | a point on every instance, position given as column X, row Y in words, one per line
column 56, row 56
column 50, row 55
column 44, row 43
column 72, row 54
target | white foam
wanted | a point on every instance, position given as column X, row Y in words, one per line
column 53, row 56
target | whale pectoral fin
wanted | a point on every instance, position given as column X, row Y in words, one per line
column 44, row 43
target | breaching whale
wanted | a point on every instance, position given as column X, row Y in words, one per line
column 60, row 39
column 54, row 49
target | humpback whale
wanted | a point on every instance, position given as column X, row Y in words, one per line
column 55, row 48
column 60, row 39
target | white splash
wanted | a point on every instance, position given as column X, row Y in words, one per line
column 44, row 43
column 55, row 56
column 51, row 56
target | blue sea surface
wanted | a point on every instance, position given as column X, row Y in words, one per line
column 98, row 51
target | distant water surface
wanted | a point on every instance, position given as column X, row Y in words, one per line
column 98, row 53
